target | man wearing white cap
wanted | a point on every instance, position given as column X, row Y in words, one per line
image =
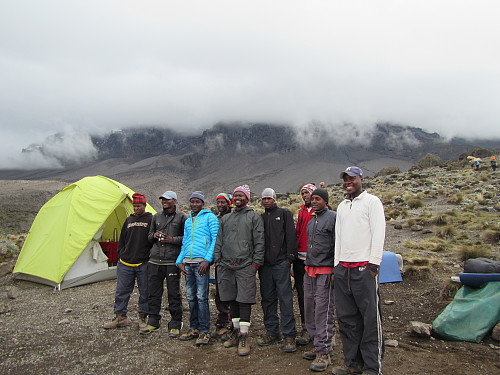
column 166, row 233
column 359, row 243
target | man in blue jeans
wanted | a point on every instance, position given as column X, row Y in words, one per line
column 280, row 239
column 197, row 252
column 133, row 253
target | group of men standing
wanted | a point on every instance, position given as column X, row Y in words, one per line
column 334, row 257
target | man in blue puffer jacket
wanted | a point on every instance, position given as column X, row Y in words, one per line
column 200, row 233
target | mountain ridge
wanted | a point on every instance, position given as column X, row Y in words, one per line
column 261, row 155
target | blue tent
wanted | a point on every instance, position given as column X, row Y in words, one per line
column 389, row 268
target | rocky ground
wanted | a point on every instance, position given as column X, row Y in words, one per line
column 437, row 217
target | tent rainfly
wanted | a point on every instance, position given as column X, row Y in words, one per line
column 62, row 248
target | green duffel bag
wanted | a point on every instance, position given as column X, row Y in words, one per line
column 471, row 315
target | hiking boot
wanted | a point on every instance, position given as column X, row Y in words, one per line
column 310, row 355
column 174, row 333
column 320, row 363
column 119, row 321
column 347, row 370
column 266, row 340
column 232, row 340
column 226, row 336
column 219, row 332
column 290, row 345
column 203, row 339
column 189, row 335
column 148, row 329
column 142, row 321
column 303, row 338
column 243, row 345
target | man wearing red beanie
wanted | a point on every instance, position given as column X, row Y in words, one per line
column 133, row 253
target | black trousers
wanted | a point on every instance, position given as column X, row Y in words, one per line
column 298, row 275
column 156, row 275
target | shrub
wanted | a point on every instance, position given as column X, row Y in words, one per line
column 432, row 244
column 474, row 251
column 446, row 231
column 430, row 160
column 388, row 171
column 491, row 235
column 441, row 219
column 410, row 222
column 414, row 203
column 456, row 198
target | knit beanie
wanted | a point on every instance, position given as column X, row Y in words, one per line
column 197, row 194
column 138, row 199
column 269, row 193
column 323, row 193
column 309, row 187
column 245, row 189
column 227, row 197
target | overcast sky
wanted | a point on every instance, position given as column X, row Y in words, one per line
column 102, row 65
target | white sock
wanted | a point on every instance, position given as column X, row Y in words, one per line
column 236, row 323
column 244, row 327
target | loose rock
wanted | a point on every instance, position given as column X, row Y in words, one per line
column 12, row 293
column 420, row 329
column 392, row 343
column 496, row 332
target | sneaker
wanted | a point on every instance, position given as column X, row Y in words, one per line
column 347, row 370
column 266, row 340
column 243, row 345
column 320, row 363
column 203, row 339
column 189, row 335
column 310, row 355
column 142, row 321
column 232, row 340
column 174, row 333
column 219, row 332
column 148, row 329
column 119, row 321
column 290, row 345
column 303, row 338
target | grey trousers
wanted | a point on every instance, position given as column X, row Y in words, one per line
column 360, row 320
column 319, row 308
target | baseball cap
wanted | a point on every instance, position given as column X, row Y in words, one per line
column 352, row 171
column 169, row 195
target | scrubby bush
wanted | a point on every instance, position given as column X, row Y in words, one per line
column 432, row 244
column 456, row 198
column 491, row 235
column 446, row 231
column 430, row 160
column 474, row 251
column 388, row 171
column 414, row 202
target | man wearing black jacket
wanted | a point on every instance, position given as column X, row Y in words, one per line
column 166, row 233
column 133, row 253
column 275, row 284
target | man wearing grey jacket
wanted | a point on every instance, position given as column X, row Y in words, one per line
column 239, row 252
column 319, row 302
column 166, row 232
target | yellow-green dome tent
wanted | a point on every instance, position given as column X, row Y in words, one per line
column 62, row 248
